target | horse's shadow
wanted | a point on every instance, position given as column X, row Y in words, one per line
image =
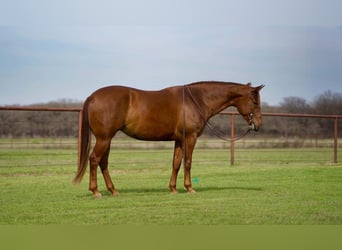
column 183, row 191
column 208, row 189
column 199, row 190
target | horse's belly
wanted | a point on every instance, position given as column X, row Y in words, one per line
column 155, row 132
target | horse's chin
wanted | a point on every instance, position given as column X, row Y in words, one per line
column 254, row 127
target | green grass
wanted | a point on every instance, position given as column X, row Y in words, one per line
column 276, row 189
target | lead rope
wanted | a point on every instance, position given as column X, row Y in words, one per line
column 221, row 135
column 217, row 133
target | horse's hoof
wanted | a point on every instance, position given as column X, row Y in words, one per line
column 191, row 191
column 115, row 193
column 173, row 190
column 97, row 195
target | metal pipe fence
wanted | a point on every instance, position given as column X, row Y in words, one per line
column 252, row 143
column 335, row 119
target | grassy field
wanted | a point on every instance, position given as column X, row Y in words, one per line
column 266, row 186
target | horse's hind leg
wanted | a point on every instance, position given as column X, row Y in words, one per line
column 105, row 173
column 100, row 150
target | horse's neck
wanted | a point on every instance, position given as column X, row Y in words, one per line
column 219, row 98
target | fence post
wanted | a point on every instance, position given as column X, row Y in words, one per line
column 232, row 158
column 335, row 139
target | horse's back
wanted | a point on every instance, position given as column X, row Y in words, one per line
column 148, row 115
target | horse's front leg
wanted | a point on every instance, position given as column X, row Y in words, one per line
column 190, row 142
column 177, row 160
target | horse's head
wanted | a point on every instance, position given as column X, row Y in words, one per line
column 249, row 106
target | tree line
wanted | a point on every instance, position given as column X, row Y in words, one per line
column 41, row 123
column 65, row 124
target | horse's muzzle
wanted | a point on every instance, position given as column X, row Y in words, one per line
column 254, row 127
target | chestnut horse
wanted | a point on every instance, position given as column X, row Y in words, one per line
column 177, row 114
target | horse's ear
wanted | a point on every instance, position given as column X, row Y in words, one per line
column 259, row 87
column 249, row 84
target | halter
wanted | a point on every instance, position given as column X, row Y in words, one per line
column 212, row 129
column 251, row 123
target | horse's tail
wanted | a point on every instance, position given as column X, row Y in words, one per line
column 84, row 147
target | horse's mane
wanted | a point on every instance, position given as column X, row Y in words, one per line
column 214, row 82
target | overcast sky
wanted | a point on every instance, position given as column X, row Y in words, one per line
column 49, row 51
